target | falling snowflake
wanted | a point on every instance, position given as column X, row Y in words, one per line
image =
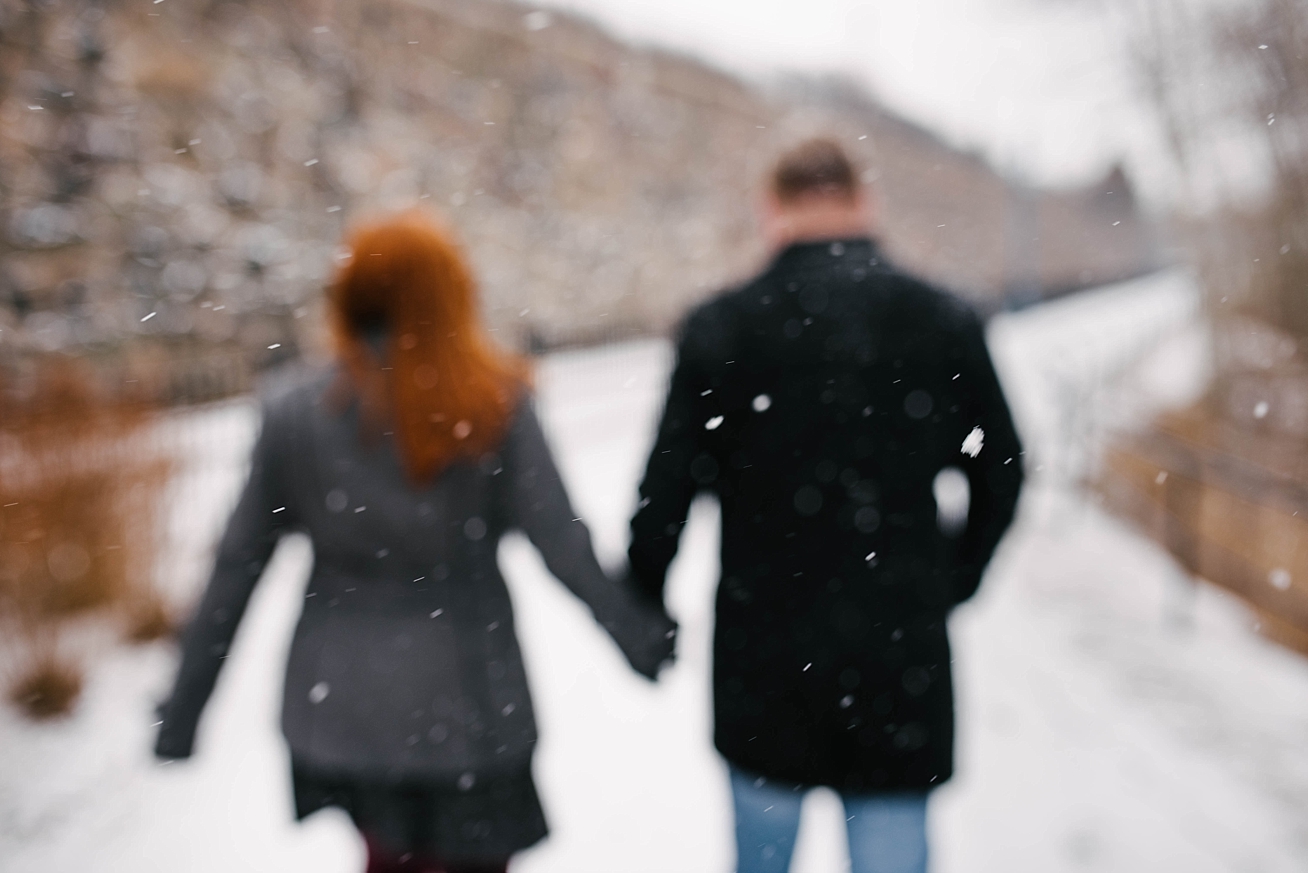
column 713, row 423
column 762, row 403
column 318, row 693
column 975, row 441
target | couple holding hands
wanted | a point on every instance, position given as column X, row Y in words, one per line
column 819, row 402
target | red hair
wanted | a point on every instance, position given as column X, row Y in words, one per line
column 447, row 391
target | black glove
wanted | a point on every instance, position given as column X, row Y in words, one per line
column 643, row 630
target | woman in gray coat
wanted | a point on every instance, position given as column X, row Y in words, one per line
column 405, row 700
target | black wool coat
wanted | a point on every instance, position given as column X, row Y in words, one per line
column 818, row 403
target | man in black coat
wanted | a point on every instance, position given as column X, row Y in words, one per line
column 819, row 402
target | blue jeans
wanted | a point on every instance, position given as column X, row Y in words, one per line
column 887, row 832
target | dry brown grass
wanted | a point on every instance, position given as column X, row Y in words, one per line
column 148, row 618
column 1230, row 510
column 1224, row 485
column 81, row 483
column 48, row 689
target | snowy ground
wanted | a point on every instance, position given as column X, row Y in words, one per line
column 1110, row 718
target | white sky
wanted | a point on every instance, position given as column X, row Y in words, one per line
column 1043, row 87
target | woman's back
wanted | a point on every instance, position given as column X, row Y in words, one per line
column 405, row 654
column 405, row 701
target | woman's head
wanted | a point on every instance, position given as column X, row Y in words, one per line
column 404, row 317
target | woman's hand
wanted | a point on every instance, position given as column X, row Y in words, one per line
column 175, row 742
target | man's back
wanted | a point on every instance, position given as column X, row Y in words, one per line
column 819, row 402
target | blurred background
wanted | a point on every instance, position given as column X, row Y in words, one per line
column 1120, row 186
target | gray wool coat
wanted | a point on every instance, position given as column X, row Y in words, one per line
column 404, row 664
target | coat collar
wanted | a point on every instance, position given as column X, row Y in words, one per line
column 818, row 252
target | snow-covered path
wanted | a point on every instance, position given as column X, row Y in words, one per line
column 1094, row 733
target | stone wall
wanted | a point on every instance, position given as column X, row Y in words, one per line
column 184, row 172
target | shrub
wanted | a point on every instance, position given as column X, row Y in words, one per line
column 81, row 482
column 49, row 686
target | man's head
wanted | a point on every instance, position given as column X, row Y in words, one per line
column 815, row 194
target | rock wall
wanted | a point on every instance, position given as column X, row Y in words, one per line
column 182, row 173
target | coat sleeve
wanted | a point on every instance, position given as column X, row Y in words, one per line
column 994, row 473
column 262, row 514
column 538, row 504
column 669, row 487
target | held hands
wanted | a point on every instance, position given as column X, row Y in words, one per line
column 643, row 630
